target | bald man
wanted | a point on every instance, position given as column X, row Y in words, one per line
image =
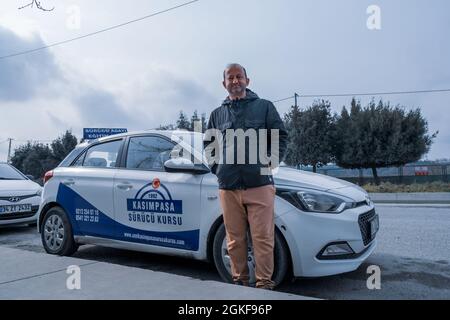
column 247, row 195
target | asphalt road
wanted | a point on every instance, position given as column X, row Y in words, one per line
column 413, row 254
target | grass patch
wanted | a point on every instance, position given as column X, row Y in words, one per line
column 387, row 187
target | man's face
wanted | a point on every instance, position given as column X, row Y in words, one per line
column 235, row 82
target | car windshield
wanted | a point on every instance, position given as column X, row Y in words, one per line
column 9, row 173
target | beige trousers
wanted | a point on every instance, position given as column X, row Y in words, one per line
column 252, row 207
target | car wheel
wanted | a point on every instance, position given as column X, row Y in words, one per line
column 56, row 234
column 223, row 265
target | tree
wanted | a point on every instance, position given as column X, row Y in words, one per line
column 63, row 145
column 166, row 127
column 183, row 122
column 204, row 122
column 38, row 5
column 195, row 119
column 36, row 158
column 380, row 136
column 310, row 135
column 20, row 154
column 292, row 120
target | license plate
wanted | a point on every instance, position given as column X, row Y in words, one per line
column 15, row 208
column 374, row 226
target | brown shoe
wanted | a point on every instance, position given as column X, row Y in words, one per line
column 266, row 285
column 241, row 283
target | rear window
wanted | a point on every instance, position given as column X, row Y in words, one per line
column 72, row 156
column 101, row 155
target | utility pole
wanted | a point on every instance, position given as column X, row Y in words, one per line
column 9, row 150
column 296, row 96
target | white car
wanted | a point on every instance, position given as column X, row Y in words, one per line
column 19, row 197
column 125, row 191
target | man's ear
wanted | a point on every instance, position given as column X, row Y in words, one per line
column 224, row 85
column 248, row 81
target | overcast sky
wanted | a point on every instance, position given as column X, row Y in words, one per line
column 141, row 75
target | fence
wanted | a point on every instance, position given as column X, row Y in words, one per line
column 408, row 174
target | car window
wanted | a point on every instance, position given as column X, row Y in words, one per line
column 9, row 173
column 79, row 162
column 71, row 156
column 148, row 153
column 102, row 155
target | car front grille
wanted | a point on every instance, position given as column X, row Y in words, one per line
column 364, row 226
column 18, row 198
column 21, row 215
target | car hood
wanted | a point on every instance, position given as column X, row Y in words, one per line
column 289, row 177
column 18, row 187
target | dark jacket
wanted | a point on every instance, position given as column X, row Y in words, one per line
column 249, row 112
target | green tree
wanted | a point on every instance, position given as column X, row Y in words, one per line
column 34, row 159
column 292, row 121
column 310, row 135
column 380, row 136
column 63, row 145
column 183, row 122
column 166, row 127
column 204, row 122
column 194, row 119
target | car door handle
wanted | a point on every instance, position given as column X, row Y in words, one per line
column 69, row 182
column 212, row 197
column 124, row 186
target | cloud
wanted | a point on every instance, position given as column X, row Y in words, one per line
column 160, row 94
column 73, row 100
column 23, row 77
column 100, row 108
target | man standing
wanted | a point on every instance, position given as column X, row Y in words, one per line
column 246, row 187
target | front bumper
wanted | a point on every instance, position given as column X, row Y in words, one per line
column 22, row 217
column 307, row 234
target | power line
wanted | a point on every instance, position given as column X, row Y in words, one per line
column 32, row 140
column 97, row 32
column 363, row 94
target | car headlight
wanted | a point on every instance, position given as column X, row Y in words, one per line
column 39, row 192
column 316, row 201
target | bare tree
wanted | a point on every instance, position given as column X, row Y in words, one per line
column 38, row 5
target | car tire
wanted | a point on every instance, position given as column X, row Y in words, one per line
column 56, row 233
column 281, row 257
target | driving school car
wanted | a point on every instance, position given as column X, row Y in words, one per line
column 129, row 191
column 19, row 197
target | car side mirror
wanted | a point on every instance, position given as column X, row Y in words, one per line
column 184, row 165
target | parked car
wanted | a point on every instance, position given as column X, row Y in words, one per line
column 126, row 191
column 19, row 197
